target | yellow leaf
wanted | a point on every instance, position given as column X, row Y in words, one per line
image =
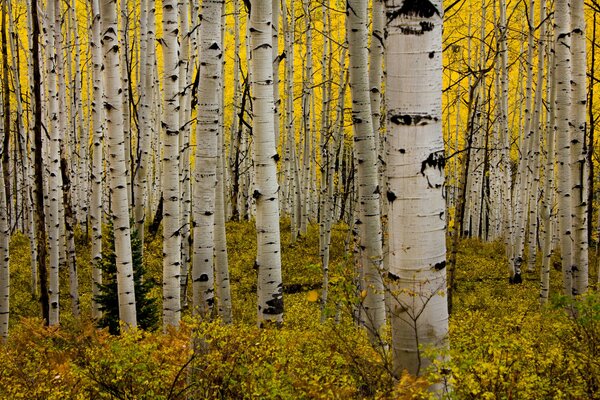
column 312, row 296
column 363, row 294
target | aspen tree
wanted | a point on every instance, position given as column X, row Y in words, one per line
column 221, row 260
column 124, row 54
column 327, row 168
column 4, row 250
column 205, row 178
column 365, row 148
column 140, row 174
column 562, row 127
column 53, row 163
column 116, row 162
column 520, row 197
column 39, row 215
column 234, row 138
column 276, row 61
column 268, row 260
column 546, row 209
column 170, row 172
column 415, row 173
column 504, row 137
column 307, row 94
column 185, row 116
column 82, row 182
column 290, row 157
column 376, row 67
column 578, row 148
column 475, row 175
column 97, row 157
column 537, row 137
column 68, row 219
column 8, row 172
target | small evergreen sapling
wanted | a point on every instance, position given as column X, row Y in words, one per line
column 146, row 307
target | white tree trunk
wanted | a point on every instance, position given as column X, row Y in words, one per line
column 507, row 217
column 140, row 179
column 548, row 202
column 221, row 260
column 54, row 181
column 562, row 127
column 170, row 172
column 97, row 158
column 579, row 176
column 268, row 260
column 117, row 175
column 4, row 251
column 365, row 148
column 185, row 124
column 415, row 174
column 536, row 126
column 205, row 178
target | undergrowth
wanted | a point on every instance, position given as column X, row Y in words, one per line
column 503, row 344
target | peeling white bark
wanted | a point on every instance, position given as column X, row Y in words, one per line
column 170, row 172
column 415, row 173
column 268, row 260
column 117, row 174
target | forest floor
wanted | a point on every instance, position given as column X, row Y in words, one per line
column 503, row 344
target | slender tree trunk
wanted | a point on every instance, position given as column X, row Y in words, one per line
column 307, row 92
column 365, row 147
column 97, row 158
column 221, row 261
column 70, row 221
column 521, row 200
column 234, row 141
column 40, row 217
column 185, row 115
column 207, row 133
column 170, row 172
column 537, row 137
column 140, row 178
column 4, row 251
column 592, row 139
column 54, row 185
column 8, row 187
column 415, row 174
column 546, row 209
column 578, row 148
column 116, row 164
column 268, row 259
column 562, row 127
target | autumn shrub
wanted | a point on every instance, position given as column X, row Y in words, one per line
column 503, row 344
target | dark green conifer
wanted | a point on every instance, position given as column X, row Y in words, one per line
column 146, row 307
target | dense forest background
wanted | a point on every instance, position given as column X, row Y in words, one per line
column 299, row 199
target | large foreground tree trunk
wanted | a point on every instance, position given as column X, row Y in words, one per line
column 415, row 173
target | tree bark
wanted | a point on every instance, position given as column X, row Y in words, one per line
column 113, row 103
column 415, row 174
column 170, row 171
column 268, row 259
column 365, row 148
